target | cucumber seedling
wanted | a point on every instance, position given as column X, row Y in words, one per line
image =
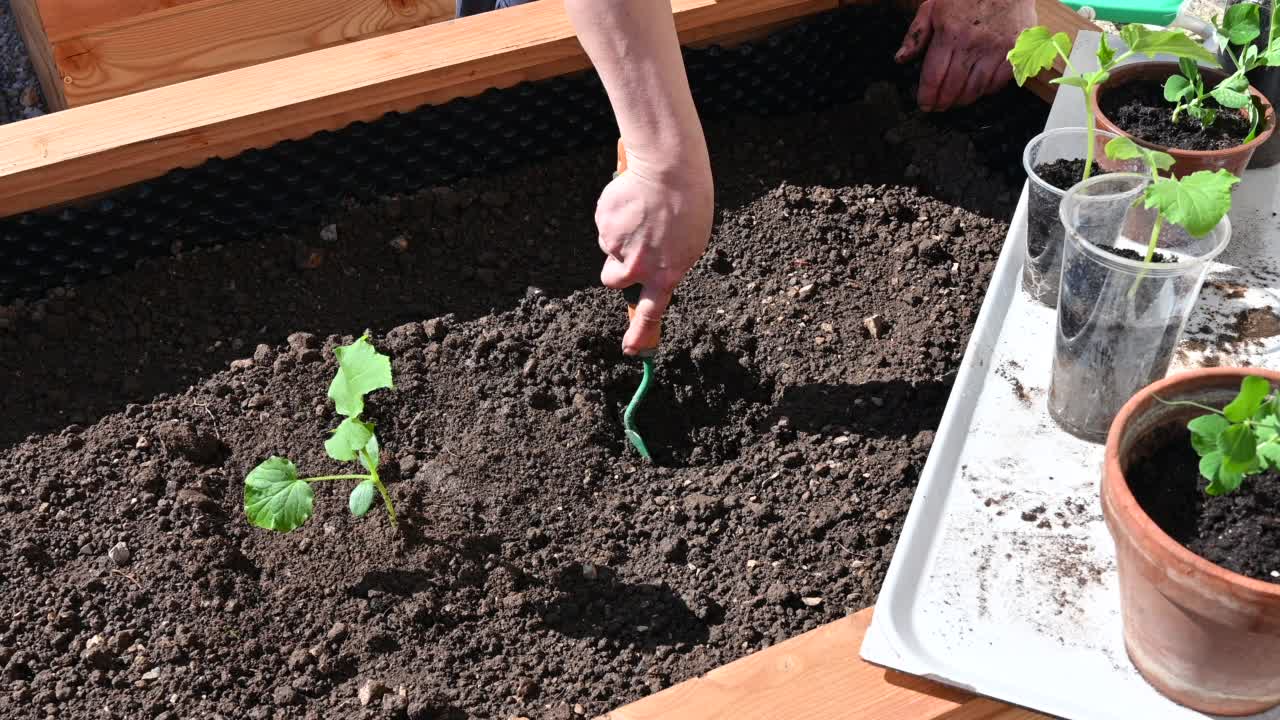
column 1197, row 202
column 275, row 498
column 1240, row 440
column 1240, row 27
column 1037, row 49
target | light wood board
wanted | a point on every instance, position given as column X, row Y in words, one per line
column 88, row 150
column 816, row 676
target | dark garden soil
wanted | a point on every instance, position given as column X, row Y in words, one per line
column 539, row 566
column 1063, row 174
column 1140, row 109
column 1239, row 531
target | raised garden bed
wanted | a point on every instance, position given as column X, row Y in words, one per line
column 539, row 571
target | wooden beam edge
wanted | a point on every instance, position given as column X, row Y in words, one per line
column 84, row 151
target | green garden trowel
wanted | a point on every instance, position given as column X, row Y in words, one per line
column 632, row 295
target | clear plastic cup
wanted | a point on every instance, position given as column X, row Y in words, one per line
column 1119, row 319
column 1043, row 259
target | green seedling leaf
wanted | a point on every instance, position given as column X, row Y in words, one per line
column 1253, row 394
column 1165, row 42
column 1197, row 202
column 1242, row 24
column 361, row 370
column 274, row 497
column 362, row 498
column 1035, row 51
column 1205, row 431
column 1177, row 88
column 1106, row 55
column 1123, row 148
column 348, row 439
column 369, row 458
column 1229, row 98
column 1238, row 445
column 1269, row 454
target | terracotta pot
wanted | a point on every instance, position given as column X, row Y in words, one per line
column 1234, row 160
column 1266, row 80
column 1202, row 635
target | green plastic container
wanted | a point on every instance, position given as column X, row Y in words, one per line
column 1148, row 12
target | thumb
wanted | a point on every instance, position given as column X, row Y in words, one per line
column 645, row 333
column 918, row 35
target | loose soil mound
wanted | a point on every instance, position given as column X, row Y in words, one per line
column 539, row 565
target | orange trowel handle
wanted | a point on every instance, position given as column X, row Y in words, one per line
column 632, row 293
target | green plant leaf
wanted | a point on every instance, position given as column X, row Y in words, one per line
column 1197, row 202
column 1269, row 453
column 1205, row 431
column 1106, row 55
column 1176, row 88
column 1242, row 24
column 1123, row 148
column 274, row 497
column 370, row 457
column 361, row 370
column 1249, row 58
column 1254, row 391
column 1239, row 446
column 1228, row 480
column 1210, row 463
column 1165, row 42
column 1035, row 51
column 361, row 498
column 348, row 439
column 1229, row 98
column 1097, row 77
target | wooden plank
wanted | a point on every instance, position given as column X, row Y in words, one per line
column 68, row 18
column 88, row 150
column 816, row 676
column 196, row 39
column 85, row 150
column 31, row 28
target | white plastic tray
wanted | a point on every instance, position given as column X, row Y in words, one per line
column 1004, row 579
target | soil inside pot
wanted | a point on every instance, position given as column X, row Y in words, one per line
column 1140, row 109
column 804, row 369
column 1064, row 174
column 1131, row 254
column 1044, row 228
column 1239, row 531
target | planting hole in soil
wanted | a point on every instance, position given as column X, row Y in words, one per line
column 537, row 563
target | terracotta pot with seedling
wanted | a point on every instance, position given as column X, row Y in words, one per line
column 1058, row 159
column 1204, row 119
column 1191, row 495
column 1136, row 253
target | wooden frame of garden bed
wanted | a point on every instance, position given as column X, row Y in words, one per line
column 89, row 150
column 816, row 676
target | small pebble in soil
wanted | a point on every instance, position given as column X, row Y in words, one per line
column 371, row 691
column 876, row 326
column 119, row 554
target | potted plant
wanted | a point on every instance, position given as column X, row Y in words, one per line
column 1123, row 302
column 1266, row 78
column 1205, row 119
column 1057, row 159
column 1190, row 494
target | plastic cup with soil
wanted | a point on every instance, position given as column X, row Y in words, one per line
column 1199, row 575
column 1266, row 80
column 1119, row 318
column 1132, row 104
column 1054, row 162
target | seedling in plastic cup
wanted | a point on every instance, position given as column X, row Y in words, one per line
column 1197, row 202
column 275, row 498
